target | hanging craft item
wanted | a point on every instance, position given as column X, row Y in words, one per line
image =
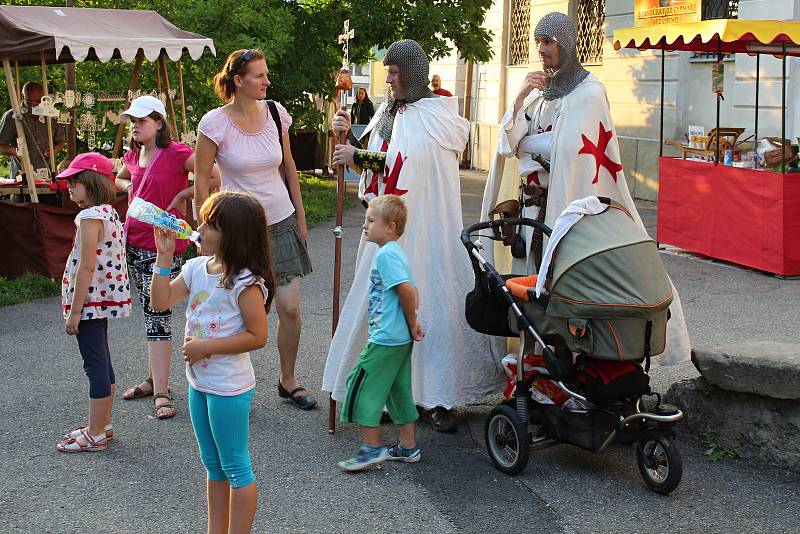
column 117, row 164
column 110, row 97
column 112, row 116
column 132, row 95
column 88, row 123
column 189, row 138
column 88, row 100
column 45, row 108
column 64, row 118
column 58, row 97
column 43, row 174
column 22, row 146
column 163, row 98
column 71, row 98
column 171, row 93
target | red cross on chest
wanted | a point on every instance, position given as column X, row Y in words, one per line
column 599, row 153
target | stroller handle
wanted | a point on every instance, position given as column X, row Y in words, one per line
column 497, row 223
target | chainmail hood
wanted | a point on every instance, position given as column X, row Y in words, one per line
column 412, row 62
column 570, row 73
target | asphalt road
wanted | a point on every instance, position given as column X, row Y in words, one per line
column 150, row 478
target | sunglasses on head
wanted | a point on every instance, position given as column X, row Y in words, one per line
column 244, row 58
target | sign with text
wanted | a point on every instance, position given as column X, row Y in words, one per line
column 652, row 12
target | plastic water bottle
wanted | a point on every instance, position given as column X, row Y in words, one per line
column 148, row 213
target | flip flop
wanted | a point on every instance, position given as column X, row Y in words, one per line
column 304, row 402
column 139, row 393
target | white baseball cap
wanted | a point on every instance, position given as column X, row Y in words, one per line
column 142, row 107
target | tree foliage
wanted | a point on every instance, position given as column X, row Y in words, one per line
column 299, row 39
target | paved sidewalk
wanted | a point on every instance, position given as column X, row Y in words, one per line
column 150, row 478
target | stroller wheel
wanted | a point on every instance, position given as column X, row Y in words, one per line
column 507, row 440
column 659, row 461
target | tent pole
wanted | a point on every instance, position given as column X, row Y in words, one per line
column 45, row 92
column 758, row 76
column 19, row 91
column 131, row 87
column 158, row 76
column 170, row 107
column 15, row 105
column 783, row 109
column 661, row 124
column 183, row 100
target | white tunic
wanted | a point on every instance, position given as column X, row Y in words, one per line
column 453, row 365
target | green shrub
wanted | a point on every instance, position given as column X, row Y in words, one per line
column 27, row 287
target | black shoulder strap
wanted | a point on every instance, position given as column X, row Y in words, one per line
column 273, row 110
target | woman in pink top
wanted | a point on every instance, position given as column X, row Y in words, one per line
column 156, row 170
column 244, row 140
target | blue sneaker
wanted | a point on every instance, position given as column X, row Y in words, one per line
column 400, row 454
column 364, row 456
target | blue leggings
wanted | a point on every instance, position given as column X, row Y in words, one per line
column 93, row 344
column 222, row 428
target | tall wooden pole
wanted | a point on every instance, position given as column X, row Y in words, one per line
column 344, row 40
column 48, row 119
column 137, row 69
column 183, row 100
column 69, row 81
column 170, row 108
column 21, row 150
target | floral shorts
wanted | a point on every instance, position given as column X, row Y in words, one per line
column 140, row 270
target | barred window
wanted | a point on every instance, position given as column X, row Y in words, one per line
column 720, row 9
column 520, row 35
column 717, row 9
column 590, row 15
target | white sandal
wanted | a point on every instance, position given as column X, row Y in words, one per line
column 109, row 430
column 93, row 443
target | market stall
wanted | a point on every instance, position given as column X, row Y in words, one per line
column 749, row 216
column 37, row 238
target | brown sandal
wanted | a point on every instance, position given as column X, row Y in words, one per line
column 166, row 405
column 139, row 393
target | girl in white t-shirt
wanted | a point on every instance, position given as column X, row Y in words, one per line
column 230, row 290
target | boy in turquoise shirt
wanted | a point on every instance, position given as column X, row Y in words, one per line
column 382, row 375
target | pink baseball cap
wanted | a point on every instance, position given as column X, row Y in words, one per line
column 89, row 161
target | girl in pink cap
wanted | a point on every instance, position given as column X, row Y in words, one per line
column 156, row 170
column 94, row 288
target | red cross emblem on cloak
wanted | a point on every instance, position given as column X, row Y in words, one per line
column 390, row 184
column 599, row 153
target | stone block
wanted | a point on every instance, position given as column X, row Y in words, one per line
column 760, row 428
column 764, row 368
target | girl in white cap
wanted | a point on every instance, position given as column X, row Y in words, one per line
column 156, row 170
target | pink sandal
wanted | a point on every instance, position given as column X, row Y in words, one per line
column 109, row 430
column 92, row 444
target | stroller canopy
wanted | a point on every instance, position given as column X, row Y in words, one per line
column 606, row 266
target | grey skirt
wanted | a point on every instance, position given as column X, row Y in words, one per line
column 289, row 252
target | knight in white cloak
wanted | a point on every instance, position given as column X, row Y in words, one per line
column 560, row 129
column 415, row 143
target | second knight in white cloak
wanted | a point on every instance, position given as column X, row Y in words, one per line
column 560, row 129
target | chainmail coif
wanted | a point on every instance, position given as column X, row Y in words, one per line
column 570, row 73
column 412, row 62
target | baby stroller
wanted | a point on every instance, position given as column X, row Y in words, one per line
column 601, row 318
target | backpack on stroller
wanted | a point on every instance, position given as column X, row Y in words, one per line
column 602, row 316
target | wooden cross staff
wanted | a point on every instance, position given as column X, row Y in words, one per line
column 344, row 40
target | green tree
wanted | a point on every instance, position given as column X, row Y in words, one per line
column 299, row 40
